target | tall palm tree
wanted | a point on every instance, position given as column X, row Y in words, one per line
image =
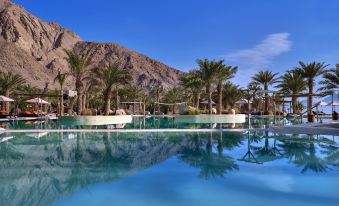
column 61, row 78
column 231, row 93
column 292, row 83
column 209, row 71
column 225, row 72
column 310, row 72
column 266, row 78
column 331, row 80
column 134, row 93
column 173, row 96
column 108, row 77
column 192, row 81
column 256, row 93
column 157, row 93
column 79, row 65
column 9, row 82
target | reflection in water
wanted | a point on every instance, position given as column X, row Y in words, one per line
column 38, row 171
column 155, row 122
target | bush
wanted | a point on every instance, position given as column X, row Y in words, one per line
column 193, row 111
column 86, row 112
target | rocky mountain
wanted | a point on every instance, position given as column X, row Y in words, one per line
column 36, row 49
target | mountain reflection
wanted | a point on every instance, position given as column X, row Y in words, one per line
column 37, row 169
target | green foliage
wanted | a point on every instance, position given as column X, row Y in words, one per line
column 209, row 71
column 265, row 78
column 311, row 70
column 193, row 111
column 9, row 82
column 87, row 112
column 173, row 95
column 61, row 78
column 292, row 82
column 108, row 77
column 231, row 93
column 331, row 80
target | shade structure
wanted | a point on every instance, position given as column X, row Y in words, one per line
column 206, row 102
column 243, row 101
column 6, row 99
column 332, row 102
column 37, row 101
column 323, row 103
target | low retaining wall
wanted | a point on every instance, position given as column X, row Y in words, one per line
column 95, row 120
column 225, row 118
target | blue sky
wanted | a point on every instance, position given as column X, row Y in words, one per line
column 253, row 34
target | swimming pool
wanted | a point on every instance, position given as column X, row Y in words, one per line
column 168, row 168
column 153, row 123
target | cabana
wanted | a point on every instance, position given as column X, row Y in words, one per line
column 39, row 102
column 3, row 112
column 205, row 103
column 173, row 105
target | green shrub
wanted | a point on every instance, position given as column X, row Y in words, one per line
column 86, row 112
column 193, row 111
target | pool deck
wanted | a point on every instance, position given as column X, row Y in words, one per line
column 327, row 128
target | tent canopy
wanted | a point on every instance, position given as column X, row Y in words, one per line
column 328, row 99
column 6, row 99
column 243, row 101
column 37, row 101
column 206, row 102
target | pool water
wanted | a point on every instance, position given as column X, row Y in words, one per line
column 168, row 168
column 153, row 123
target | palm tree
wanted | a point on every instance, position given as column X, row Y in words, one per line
column 209, row 70
column 173, row 96
column 61, row 78
column 224, row 73
column 292, row 83
column 231, row 93
column 9, row 82
column 192, row 81
column 79, row 65
column 266, row 78
column 310, row 72
column 134, row 93
column 255, row 92
column 156, row 92
column 108, row 77
column 331, row 80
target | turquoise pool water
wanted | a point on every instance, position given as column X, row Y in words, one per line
column 168, row 168
column 152, row 123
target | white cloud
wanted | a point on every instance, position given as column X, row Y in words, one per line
column 263, row 53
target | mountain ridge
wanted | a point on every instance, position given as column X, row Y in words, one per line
column 36, row 49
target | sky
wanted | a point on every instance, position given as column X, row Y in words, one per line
column 251, row 34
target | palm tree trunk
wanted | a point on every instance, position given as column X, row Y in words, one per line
column 266, row 99
column 294, row 104
column 61, row 102
column 117, row 98
column 197, row 99
column 310, row 98
column 84, row 97
column 79, row 103
column 208, row 89
column 108, row 97
column 158, row 99
column 220, row 98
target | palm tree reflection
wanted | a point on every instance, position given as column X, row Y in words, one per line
column 302, row 152
column 211, row 164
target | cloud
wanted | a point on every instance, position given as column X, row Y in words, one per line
column 263, row 53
